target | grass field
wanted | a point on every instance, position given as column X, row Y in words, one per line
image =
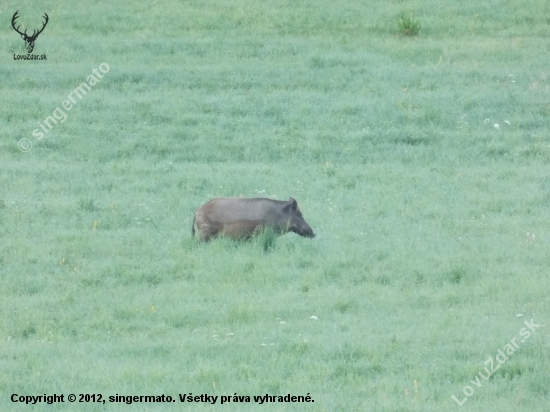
column 421, row 162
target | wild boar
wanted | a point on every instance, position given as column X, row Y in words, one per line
column 240, row 218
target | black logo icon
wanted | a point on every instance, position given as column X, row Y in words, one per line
column 29, row 40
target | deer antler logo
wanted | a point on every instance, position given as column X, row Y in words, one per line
column 29, row 40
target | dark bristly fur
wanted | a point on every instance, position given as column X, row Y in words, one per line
column 240, row 218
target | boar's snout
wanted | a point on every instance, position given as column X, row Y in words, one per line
column 304, row 231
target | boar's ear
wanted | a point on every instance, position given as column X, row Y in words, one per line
column 293, row 205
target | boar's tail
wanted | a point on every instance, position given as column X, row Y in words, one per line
column 193, row 228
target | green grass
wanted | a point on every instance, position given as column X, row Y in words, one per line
column 432, row 225
column 408, row 26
